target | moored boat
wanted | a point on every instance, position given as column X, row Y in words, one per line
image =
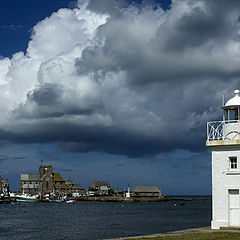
column 26, row 198
column 69, row 201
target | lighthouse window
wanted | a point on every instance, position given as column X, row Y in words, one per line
column 233, row 162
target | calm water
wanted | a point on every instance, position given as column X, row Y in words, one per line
column 98, row 220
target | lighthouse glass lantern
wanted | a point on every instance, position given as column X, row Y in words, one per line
column 223, row 137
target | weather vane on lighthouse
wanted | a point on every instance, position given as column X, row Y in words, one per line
column 224, row 139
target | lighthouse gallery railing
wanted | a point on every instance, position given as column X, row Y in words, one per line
column 221, row 130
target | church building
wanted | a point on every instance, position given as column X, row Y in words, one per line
column 42, row 183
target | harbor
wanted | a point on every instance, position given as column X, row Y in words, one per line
column 47, row 186
column 89, row 220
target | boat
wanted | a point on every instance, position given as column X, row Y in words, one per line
column 69, row 201
column 64, row 200
column 24, row 197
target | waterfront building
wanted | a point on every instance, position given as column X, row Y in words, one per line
column 40, row 183
column 101, row 188
column 77, row 188
column 46, row 182
column 4, row 186
column 29, row 183
column 59, row 184
column 146, row 191
column 223, row 137
column 74, row 189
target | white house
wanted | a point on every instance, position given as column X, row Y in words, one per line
column 224, row 139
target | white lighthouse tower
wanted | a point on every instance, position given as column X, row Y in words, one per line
column 224, row 139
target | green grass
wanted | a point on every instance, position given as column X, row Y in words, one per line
column 199, row 236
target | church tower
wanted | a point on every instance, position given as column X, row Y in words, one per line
column 46, row 179
column 223, row 137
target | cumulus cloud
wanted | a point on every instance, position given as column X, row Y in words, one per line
column 119, row 78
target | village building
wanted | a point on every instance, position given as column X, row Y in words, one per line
column 4, row 186
column 146, row 191
column 224, row 139
column 77, row 188
column 70, row 184
column 29, row 183
column 59, row 184
column 46, row 182
column 74, row 189
column 101, row 188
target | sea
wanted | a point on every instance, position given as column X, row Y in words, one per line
column 100, row 220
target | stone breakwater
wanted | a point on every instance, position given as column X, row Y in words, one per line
column 131, row 199
column 139, row 199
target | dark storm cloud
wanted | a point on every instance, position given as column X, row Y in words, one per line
column 52, row 100
column 146, row 83
column 202, row 31
column 216, row 21
column 113, row 140
column 123, row 50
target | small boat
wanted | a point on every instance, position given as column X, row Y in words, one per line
column 26, row 198
column 69, row 201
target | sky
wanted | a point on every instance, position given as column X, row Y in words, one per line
column 115, row 90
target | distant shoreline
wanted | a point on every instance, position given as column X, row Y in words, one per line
column 133, row 199
column 140, row 199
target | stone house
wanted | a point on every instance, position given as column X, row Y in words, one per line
column 74, row 188
column 29, row 183
column 146, row 191
column 77, row 188
column 101, row 188
column 59, row 184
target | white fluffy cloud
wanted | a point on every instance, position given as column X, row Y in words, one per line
column 125, row 79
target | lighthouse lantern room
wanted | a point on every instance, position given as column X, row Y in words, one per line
column 224, row 139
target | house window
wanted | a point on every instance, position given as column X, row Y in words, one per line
column 233, row 162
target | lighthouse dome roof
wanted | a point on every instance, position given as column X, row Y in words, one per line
column 235, row 101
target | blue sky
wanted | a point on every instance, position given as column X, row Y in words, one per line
column 117, row 90
column 19, row 17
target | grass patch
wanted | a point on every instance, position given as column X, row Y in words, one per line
column 198, row 236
